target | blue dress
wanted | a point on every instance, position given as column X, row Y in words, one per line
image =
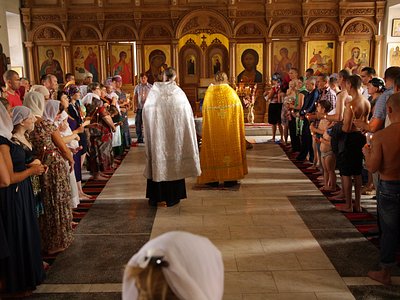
column 22, row 268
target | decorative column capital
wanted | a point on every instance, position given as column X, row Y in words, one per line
column 29, row 44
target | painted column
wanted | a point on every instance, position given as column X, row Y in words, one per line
column 339, row 60
column 67, row 57
column 103, row 61
column 378, row 54
column 303, row 65
column 232, row 60
column 268, row 60
column 175, row 58
column 31, row 69
column 139, row 57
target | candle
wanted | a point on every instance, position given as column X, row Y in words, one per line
column 44, row 152
column 97, row 117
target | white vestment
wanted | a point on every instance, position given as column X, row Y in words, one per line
column 170, row 136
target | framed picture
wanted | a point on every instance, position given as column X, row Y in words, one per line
column 321, row 56
column 121, row 61
column 396, row 27
column 85, row 58
column 356, row 55
column 19, row 70
column 157, row 59
column 285, row 55
column 393, row 55
column 249, row 63
column 51, row 61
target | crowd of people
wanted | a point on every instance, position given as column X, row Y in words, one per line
column 48, row 134
column 346, row 122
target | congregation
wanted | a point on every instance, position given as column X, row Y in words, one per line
column 48, row 134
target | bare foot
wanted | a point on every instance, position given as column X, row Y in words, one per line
column 382, row 276
column 84, row 196
column 344, row 208
column 101, row 178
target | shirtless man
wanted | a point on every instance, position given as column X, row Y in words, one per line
column 350, row 160
column 383, row 157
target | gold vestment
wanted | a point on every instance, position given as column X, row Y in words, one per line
column 223, row 149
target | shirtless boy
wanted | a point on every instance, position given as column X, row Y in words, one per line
column 383, row 156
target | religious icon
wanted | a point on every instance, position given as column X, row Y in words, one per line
column 157, row 60
column 191, row 65
column 121, row 61
column 216, row 62
column 249, row 61
column 396, row 27
column 287, row 57
column 49, row 62
column 321, row 56
column 85, row 59
column 356, row 55
column 393, row 55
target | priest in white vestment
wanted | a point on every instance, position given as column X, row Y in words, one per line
column 172, row 152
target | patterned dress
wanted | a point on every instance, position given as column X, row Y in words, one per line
column 55, row 223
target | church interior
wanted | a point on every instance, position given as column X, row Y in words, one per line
column 279, row 234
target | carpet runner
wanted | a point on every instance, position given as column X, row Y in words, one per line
column 93, row 188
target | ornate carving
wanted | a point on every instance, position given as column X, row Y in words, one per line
column 137, row 17
column 84, row 17
column 322, row 29
column 216, row 41
column 248, row 30
column 48, row 33
column 45, row 18
column 285, row 29
column 321, row 12
column 121, row 33
column 358, row 28
column 121, row 16
column 84, row 33
column 158, row 15
column 190, row 42
column 189, row 26
column 360, row 12
column 250, row 13
column 286, row 12
column 157, row 31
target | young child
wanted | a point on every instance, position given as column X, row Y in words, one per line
column 117, row 136
column 328, row 159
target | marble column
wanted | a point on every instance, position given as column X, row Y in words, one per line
column 31, row 74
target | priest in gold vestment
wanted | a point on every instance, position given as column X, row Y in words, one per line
column 223, row 150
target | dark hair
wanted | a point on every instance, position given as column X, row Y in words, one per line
column 170, row 73
column 392, row 73
column 333, row 80
column 251, row 52
column 8, row 75
column 345, row 74
column 68, row 76
column 143, row 74
column 43, row 78
column 310, row 70
column 112, row 109
column 93, row 86
column 60, row 93
column 324, row 76
column 378, row 83
column 370, row 71
column 325, row 104
column 355, row 81
column 397, row 82
column 61, row 108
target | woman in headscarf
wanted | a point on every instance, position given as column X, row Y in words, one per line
column 101, row 128
column 24, row 122
column 55, row 223
column 175, row 266
column 21, row 267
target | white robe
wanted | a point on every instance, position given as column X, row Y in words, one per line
column 169, row 133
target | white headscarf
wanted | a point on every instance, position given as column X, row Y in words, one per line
column 51, row 110
column 6, row 125
column 195, row 269
column 20, row 113
column 40, row 89
column 35, row 101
